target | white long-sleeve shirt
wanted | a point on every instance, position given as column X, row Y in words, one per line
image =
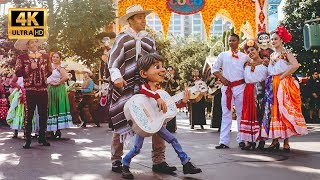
column 232, row 68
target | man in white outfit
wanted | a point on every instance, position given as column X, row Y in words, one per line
column 232, row 77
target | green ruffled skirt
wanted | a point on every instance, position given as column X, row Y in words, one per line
column 59, row 108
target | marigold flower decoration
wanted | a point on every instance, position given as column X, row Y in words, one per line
column 238, row 12
column 283, row 33
column 250, row 43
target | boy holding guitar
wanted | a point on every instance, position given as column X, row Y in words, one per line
column 152, row 71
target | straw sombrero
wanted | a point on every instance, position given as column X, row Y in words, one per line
column 132, row 10
column 21, row 44
column 86, row 70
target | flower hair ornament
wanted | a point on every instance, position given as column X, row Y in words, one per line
column 250, row 43
column 283, row 33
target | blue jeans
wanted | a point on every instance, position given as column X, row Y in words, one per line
column 167, row 136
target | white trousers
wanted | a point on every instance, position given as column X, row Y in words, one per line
column 237, row 100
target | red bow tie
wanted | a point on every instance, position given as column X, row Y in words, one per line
column 234, row 54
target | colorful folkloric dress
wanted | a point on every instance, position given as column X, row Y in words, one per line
column 16, row 113
column 59, row 106
column 15, row 117
column 253, row 105
column 4, row 107
column 283, row 116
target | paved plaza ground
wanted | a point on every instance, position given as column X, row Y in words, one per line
column 85, row 154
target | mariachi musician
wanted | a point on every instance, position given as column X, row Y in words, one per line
column 198, row 105
column 172, row 86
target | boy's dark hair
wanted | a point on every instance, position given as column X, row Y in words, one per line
column 146, row 61
column 235, row 35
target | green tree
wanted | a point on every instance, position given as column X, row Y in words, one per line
column 184, row 58
column 296, row 13
column 74, row 24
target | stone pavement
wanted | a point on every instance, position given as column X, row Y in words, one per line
column 85, row 154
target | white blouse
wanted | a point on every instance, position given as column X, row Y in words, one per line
column 279, row 67
column 259, row 74
column 54, row 77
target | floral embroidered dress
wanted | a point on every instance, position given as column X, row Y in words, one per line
column 59, row 106
column 253, row 103
column 283, row 116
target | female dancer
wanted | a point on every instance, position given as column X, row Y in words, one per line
column 255, row 73
column 59, row 107
column 283, row 117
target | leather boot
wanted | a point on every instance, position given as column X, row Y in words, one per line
column 126, row 174
column 164, row 168
column 189, row 168
column 117, row 167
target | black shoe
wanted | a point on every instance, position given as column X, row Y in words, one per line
column 43, row 141
column 83, row 125
column 274, row 146
column 97, row 124
column 164, row 168
column 27, row 145
column 189, row 168
column 58, row 134
column 222, row 146
column 192, row 127
column 250, row 146
column 253, row 146
column 117, row 167
column 261, row 145
column 241, row 144
column 15, row 134
column 126, row 174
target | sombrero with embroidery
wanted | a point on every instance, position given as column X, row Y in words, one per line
column 21, row 44
column 132, row 10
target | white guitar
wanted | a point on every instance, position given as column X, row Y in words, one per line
column 143, row 114
column 215, row 88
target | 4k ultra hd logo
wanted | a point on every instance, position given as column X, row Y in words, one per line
column 27, row 23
